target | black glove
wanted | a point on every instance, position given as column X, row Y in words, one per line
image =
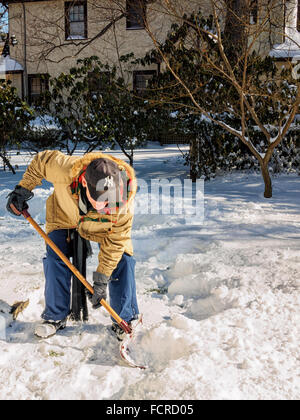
column 100, row 289
column 18, row 198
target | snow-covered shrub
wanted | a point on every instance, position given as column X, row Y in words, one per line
column 42, row 133
column 95, row 108
column 215, row 151
column 15, row 115
column 207, row 76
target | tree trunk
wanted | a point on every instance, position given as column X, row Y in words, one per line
column 235, row 31
column 129, row 156
column 7, row 163
column 194, row 157
column 267, row 180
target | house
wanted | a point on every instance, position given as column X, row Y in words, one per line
column 52, row 34
column 10, row 69
column 290, row 47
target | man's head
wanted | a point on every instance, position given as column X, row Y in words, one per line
column 102, row 181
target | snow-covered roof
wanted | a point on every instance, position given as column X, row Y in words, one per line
column 291, row 47
column 9, row 64
column 288, row 49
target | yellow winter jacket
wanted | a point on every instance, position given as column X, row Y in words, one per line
column 112, row 231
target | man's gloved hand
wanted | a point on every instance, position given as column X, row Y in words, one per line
column 100, row 289
column 18, row 198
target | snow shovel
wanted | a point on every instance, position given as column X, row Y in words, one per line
column 123, row 324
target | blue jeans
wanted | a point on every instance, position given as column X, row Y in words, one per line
column 122, row 287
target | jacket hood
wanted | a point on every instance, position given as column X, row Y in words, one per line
column 83, row 162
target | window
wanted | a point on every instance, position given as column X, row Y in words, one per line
column 97, row 82
column 37, row 84
column 141, row 80
column 253, row 12
column 76, row 20
column 136, row 13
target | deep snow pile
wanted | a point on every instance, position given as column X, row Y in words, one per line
column 220, row 300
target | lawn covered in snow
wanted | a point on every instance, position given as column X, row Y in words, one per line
column 220, row 298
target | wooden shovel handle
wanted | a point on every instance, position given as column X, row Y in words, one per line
column 123, row 324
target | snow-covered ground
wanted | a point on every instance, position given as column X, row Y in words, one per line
column 220, row 299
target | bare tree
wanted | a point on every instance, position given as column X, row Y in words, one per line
column 223, row 47
column 46, row 34
column 104, row 15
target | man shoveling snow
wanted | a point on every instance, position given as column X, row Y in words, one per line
column 92, row 201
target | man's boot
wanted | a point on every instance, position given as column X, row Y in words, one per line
column 49, row 328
